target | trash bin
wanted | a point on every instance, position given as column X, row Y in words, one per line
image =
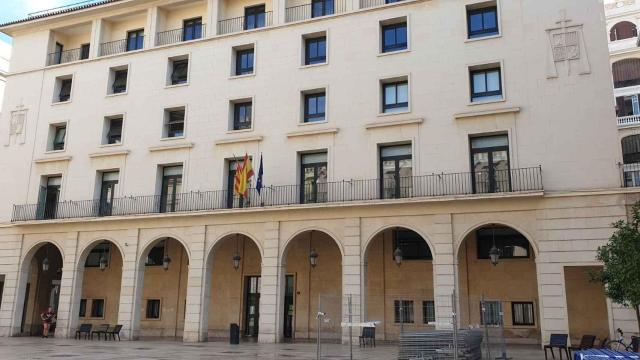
column 234, row 334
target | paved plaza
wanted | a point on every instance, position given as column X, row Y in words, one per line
column 36, row 348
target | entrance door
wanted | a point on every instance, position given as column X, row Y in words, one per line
column 289, row 306
column 252, row 305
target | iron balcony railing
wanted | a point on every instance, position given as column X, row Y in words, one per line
column 364, row 4
column 63, row 57
column 244, row 23
column 179, row 35
column 435, row 185
column 314, row 10
column 120, row 46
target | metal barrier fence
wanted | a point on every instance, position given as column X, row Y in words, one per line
column 513, row 180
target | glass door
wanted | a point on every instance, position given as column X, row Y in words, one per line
column 490, row 164
column 313, row 178
column 192, row 29
column 171, row 188
column 321, row 8
column 51, row 196
column 254, row 17
column 396, row 172
column 289, row 306
column 107, row 192
column 252, row 305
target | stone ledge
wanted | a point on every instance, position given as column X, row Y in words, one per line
column 45, row 160
column 187, row 145
column 109, row 153
column 472, row 114
column 312, row 132
column 239, row 140
column 389, row 123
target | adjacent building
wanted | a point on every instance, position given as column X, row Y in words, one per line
column 397, row 148
column 5, row 55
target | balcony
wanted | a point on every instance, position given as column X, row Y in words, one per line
column 68, row 44
column 315, row 9
column 121, row 46
column 179, row 35
column 388, row 189
column 633, row 120
column 244, row 23
column 365, row 4
column 66, row 56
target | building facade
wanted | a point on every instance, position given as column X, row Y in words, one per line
column 5, row 55
column 400, row 145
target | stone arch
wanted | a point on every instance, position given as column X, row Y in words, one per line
column 378, row 231
column 84, row 252
column 460, row 240
column 150, row 243
column 283, row 251
column 211, row 248
column 623, row 30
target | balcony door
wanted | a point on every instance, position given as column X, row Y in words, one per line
column 171, row 188
column 254, row 17
column 192, row 29
column 321, row 8
column 252, row 306
column 490, row 164
column 49, row 198
column 135, row 40
column 313, row 172
column 396, row 172
column 107, row 192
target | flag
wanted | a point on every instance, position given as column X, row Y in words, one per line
column 244, row 173
column 260, row 173
column 237, row 179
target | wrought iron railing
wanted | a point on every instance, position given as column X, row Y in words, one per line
column 179, row 35
column 373, row 3
column 434, row 185
column 305, row 12
column 62, row 57
column 120, row 46
column 238, row 24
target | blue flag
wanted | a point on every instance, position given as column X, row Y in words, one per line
column 260, row 172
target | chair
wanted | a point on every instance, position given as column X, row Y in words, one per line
column 635, row 344
column 558, row 341
column 368, row 336
column 100, row 329
column 587, row 342
column 83, row 329
column 603, row 343
column 115, row 331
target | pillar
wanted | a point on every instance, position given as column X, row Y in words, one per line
column 97, row 28
column 196, row 310
column 553, row 301
column 151, row 27
column 444, row 269
column 272, row 287
column 351, row 278
column 213, row 15
column 279, row 12
column 10, row 248
column 67, row 285
column 129, row 309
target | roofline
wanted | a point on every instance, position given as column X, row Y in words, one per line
column 57, row 12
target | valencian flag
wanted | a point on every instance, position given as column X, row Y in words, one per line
column 244, row 173
column 260, row 173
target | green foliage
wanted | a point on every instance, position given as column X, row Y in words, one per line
column 621, row 259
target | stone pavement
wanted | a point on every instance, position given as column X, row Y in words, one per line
column 37, row 348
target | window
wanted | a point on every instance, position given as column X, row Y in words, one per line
column 626, row 73
column 114, row 130
column 119, row 85
column 174, row 123
column 321, row 8
column 171, row 188
column 315, row 50
column 244, row 62
column 65, row 90
column 490, row 164
column 153, row 309
column 482, row 22
column 523, row 314
column 58, row 53
column 242, row 115
column 313, row 177
column 396, row 172
column 395, row 97
column 412, row 245
column 394, row 37
column 314, row 107
column 403, row 311
column 391, row 1
column 180, row 71
column 631, row 158
column 428, row 312
column 623, row 30
column 107, row 192
column 254, row 17
column 628, row 105
column 49, row 197
column 84, row 51
column 83, row 308
column 97, row 308
column 99, row 251
column 192, row 29
column 135, row 40
column 156, row 254
column 486, row 85
column 490, row 313
column 59, row 137
column 510, row 243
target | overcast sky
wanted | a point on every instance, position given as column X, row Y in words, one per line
column 18, row 9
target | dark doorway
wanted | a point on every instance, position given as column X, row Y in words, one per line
column 252, row 305
column 289, row 306
column 49, row 197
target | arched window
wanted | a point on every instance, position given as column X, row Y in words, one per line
column 626, row 73
column 631, row 149
column 623, row 30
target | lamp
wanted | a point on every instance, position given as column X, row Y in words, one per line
column 166, row 261
column 236, row 257
column 397, row 256
column 313, row 254
column 103, row 261
column 45, row 261
column 494, row 252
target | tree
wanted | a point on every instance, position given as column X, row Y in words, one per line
column 621, row 259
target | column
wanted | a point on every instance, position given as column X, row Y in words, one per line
column 553, row 301
column 10, row 248
column 196, row 309
column 279, row 12
column 444, row 269
column 67, row 284
column 351, row 278
column 151, row 27
column 213, row 14
column 97, row 28
column 272, row 287
column 129, row 308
